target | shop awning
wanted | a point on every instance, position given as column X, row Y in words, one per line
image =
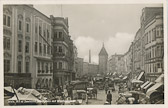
column 160, row 78
column 148, row 85
column 143, row 85
column 156, row 86
column 140, row 75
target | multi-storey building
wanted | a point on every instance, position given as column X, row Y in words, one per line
column 79, row 67
column 152, row 23
column 116, row 64
column 85, row 68
column 103, row 59
column 27, row 47
column 63, row 54
column 93, row 69
column 128, row 59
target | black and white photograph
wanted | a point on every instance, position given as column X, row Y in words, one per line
column 83, row 53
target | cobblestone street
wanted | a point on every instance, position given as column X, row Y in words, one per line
column 101, row 98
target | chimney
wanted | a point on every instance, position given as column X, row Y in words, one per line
column 89, row 56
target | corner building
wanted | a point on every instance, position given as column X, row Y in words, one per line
column 63, row 56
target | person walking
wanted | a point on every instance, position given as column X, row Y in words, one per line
column 106, row 88
column 109, row 97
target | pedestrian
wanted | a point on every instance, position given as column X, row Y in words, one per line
column 106, row 88
column 109, row 97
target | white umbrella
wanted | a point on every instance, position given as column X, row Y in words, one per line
column 136, row 81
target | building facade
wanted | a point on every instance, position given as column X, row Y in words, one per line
column 152, row 23
column 79, row 67
column 116, row 64
column 63, row 54
column 103, row 59
column 27, row 47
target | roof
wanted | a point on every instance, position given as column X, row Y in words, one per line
column 103, row 51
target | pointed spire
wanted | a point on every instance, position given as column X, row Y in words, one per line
column 103, row 51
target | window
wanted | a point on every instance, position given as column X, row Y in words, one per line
column 55, row 35
column 44, row 33
column 27, row 47
column 39, row 67
column 161, row 32
column 46, row 67
column 35, row 29
column 6, row 66
column 6, row 43
column 20, row 25
column 60, row 65
column 19, row 67
column 60, row 48
column 8, row 24
column 4, row 19
column 50, row 67
column 20, row 46
column 42, row 67
column 48, row 35
column 27, row 27
column 44, row 49
column 154, row 34
column 40, row 48
column 60, row 34
column 36, row 47
column 48, row 50
column 157, row 32
column 27, row 67
column 39, row 30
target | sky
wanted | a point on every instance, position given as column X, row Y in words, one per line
column 91, row 25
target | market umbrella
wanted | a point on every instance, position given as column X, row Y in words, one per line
column 137, row 92
column 136, row 81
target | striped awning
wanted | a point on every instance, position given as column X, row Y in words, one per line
column 140, row 75
column 156, row 86
column 148, row 85
column 144, row 84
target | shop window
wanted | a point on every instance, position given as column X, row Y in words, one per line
column 20, row 46
column 19, row 66
column 27, row 67
column 6, row 66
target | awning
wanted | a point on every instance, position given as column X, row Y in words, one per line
column 148, row 85
column 156, row 86
column 140, row 75
column 143, row 85
column 125, row 77
column 9, row 89
column 160, row 78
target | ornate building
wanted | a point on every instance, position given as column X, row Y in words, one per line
column 103, row 59
column 27, row 47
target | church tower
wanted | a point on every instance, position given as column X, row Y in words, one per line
column 103, row 59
